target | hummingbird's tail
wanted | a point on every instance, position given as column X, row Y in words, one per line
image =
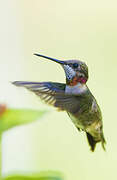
column 103, row 141
column 92, row 142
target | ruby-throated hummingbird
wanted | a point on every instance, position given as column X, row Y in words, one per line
column 73, row 97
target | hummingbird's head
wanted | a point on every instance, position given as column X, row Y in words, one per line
column 75, row 70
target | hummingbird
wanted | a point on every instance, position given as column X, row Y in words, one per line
column 74, row 97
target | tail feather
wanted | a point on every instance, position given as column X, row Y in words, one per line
column 103, row 141
column 91, row 141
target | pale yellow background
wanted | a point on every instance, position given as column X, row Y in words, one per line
column 64, row 29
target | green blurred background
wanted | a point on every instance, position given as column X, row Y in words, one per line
column 64, row 29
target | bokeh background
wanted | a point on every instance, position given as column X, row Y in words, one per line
column 64, row 29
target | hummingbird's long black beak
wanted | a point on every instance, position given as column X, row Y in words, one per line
column 53, row 59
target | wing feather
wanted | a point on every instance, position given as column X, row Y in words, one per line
column 53, row 94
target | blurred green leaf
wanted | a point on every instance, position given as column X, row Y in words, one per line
column 41, row 176
column 15, row 117
column 32, row 178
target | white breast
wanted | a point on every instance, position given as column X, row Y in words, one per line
column 77, row 89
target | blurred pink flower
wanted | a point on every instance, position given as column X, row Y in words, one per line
column 2, row 109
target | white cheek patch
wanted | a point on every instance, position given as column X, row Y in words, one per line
column 70, row 73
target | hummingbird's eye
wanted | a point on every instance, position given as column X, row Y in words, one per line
column 75, row 65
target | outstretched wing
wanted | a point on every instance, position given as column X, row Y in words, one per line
column 53, row 94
